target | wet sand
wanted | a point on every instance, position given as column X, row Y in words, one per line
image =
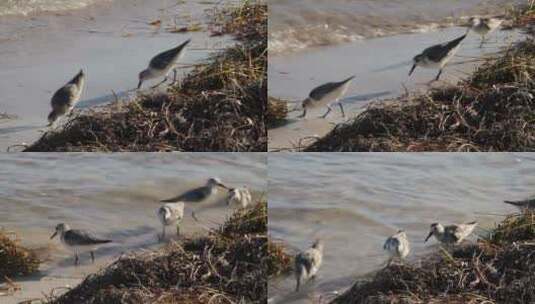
column 381, row 67
column 111, row 41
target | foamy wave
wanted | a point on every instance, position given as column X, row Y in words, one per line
column 27, row 7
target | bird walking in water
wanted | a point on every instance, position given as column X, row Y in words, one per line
column 64, row 100
column 524, row 204
column 397, row 246
column 307, row 263
column 484, row 26
column 170, row 214
column 162, row 64
column 76, row 239
column 437, row 56
column 327, row 95
column 198, row 194
column 452, row 234
column 239, row 197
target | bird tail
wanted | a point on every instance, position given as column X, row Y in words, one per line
column 183, row 45
column 456, row 42
column 348, row 79
column 78, row 77
column 103, row 241
column 472, row 223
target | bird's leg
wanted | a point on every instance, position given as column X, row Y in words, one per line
column 76, row 259
column 342, row 109
column 482, row 41
column 304, row 114
column 177, row 229
column 326, row 113
column 438, row 75
column 174, row 75
column 298, row 284
column 159, row 84
column 92, row 256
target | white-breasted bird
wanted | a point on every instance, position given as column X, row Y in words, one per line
column 397, row 246
column 484, row 26
column 308, row 262
column 64, row 99
column 170, row 214
column 161, row 64
column 437, row 56
column 452, row 234
column 239, row 197
column 326, row 95
column 77, row 239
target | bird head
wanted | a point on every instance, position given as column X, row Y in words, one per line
column 143, row 75
column 435, row 228
column 215, row 182
column 318, row 244
column 60, row 229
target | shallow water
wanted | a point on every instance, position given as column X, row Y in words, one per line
column 354, row 201
column 25, row 7
column 113, row 195
column 296, row 25
column 381, row 66
column 111, row 40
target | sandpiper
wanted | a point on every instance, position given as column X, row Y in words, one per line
column 524, row 204
column 437, row 56
column 78, row 239
column 171, row 214
column 66, row 97
column 307, row 263
column 327, row 95
column 162, row 64
column 397, row 246
column 198, row 194
column 452, row 234
column 484, row 26
column 239, row 197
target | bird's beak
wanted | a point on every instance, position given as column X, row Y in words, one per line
column 223, row 186
column 412, row 69
column 54, row 235
column 139, row 84
column 428, row 236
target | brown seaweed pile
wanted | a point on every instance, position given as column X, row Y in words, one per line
column 15, row 260
column 219, row 106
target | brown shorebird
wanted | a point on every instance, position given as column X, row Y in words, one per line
column 307, row 263
column 452, row 234
column 327, row 95
column 66, row 97
column 77, row 239
column 397, row 246
column 170, row 214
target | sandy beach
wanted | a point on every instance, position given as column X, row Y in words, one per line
column 111, row 40
column 381, row 67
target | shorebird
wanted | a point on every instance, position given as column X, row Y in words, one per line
column 524, row 204
column 437, row 56
column 452, row 234
column 162, row 64
column 78, row 239
column 198, row 194
column 66, row 97
column 240, row 197
column 397, row 246
column 327, row 95
column 171, row 214
column 484, row 26
column 307, row 263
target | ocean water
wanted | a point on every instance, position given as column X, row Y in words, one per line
column 300, row 24
column 355, row 201
column 27, row 7
column 115, row 196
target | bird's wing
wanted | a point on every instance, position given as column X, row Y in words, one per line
column 64, row 96
column 80, row 237
column 324, row 89
column 194, row 195
column 439, row 51
column 527, row 203
column 162, row 60
column 304, row 259
column 391, row 242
